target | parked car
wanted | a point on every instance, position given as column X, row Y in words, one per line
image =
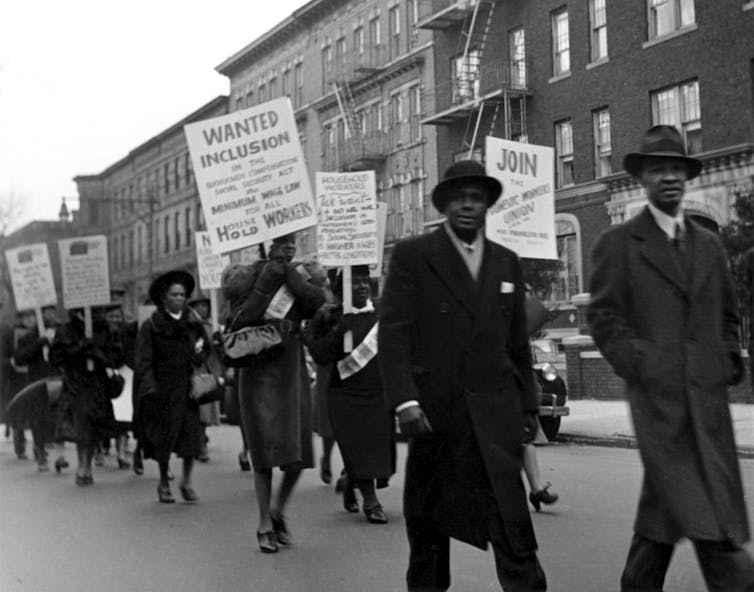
column 554, row 396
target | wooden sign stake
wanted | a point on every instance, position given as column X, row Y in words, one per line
column 347, row 307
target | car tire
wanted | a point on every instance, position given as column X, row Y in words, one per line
column 550, row 427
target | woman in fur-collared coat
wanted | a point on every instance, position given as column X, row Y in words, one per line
column 274, row 396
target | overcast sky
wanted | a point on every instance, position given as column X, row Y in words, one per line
column 82, row 82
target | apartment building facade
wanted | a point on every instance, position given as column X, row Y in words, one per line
column 148, row 205
column 355, row 71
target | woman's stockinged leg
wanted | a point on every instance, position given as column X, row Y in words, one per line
column 81, row 457
column 291, row 475
column 164, row 468
column 188, row 465
column 368, row 492
column 263, row 491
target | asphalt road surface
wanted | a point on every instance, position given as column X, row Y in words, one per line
column 115, row 536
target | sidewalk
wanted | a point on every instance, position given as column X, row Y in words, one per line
column 608, row 423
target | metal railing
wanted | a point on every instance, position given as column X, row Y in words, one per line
column 428, row 8
column 372, row 145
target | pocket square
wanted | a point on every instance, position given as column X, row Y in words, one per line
column 506, row 288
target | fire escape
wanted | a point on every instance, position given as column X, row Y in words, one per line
column 361, row 144
column 478, row 91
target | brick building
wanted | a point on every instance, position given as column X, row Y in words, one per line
column 148, row 205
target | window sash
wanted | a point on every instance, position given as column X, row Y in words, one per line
column 561, row 43
column 517, row 49
column 667, row 16
column 679, row 106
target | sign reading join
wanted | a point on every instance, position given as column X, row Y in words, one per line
column 209, row 265
column 523, row 219
column 347, row 211
column 251, row 175
column 31, row 276
column 84, row 264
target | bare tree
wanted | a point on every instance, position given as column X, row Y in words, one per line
column 11, row 209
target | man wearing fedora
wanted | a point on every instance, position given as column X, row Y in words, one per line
column 456, row 367
column 663, row 314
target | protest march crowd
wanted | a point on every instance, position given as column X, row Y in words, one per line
column 444, row 353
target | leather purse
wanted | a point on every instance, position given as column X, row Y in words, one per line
column 204, row 386
column 114, row 384
column 252, row 345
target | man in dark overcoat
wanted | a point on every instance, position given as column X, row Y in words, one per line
column 663, row 314
column 456, row 367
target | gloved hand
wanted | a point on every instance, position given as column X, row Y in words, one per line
column 271, row 277
column 413, row 422
column 531, row 427
column 737, row 371
column 345, row 323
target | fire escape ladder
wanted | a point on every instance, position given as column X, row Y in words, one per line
column 470, row 25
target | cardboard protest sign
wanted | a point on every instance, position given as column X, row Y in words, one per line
column 347, row 219
column 84, row 266
column 251, row 175
column 31, row 276
column 209, row 265
column 523, row 219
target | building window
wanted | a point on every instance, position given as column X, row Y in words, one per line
column 139, row 240
column 679, row 106
column 395, row 121
column 517, row 51
column 187, row 167
column 262, row 92
column 166, row 223
column 564, row 153
column 286, row 82
column 114, row 253
column 156, row 236
column 176, row 172
column 177, row 229
column 464, row 72
column 239, row 103
column 602, row 147
column 273, row 88
column 340, row 54
column 166, row 178
column 187, row 225
column 415, row 112
column 569, row 282
column 598, row 25
column 561, row 45
column 414, row 8
column 326, row 67
column 131, row 248
column 298, row 81
column 667, row 16
column 374, row 41
column 358, row 41
column 249, row 97
column 394, row 24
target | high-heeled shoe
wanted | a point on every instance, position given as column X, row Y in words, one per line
column 138, row 465
column 282, row 534
column 268, row 542
column 165, row 495
column 61, row 464
column 243, row 462
column 123, row 464
column 543, row 496
column 376, row 514
column 188, row 494
column 350, row 503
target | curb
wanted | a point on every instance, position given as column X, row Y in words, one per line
column 625, row 442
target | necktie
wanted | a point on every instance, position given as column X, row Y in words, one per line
column 679, row 242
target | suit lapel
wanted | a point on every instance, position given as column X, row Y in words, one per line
column 656, row 250
column 447, row 263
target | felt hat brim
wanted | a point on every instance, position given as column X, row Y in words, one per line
column 443, row 191
column 163, row 283
column 634, row 161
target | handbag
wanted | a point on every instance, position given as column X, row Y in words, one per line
column 204, row 386
column 114, row 384
column 252, row 345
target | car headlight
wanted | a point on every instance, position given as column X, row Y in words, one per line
column 549, row 373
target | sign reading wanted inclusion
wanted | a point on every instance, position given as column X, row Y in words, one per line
column 84, row 265
column 209, row 265
column 347, row 212
column 251, row 175
column 31, row 276
column 523, row 219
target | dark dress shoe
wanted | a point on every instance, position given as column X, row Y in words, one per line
column 61, row 464
column 376, row 515
column 325, row 474
column 543, row 496
column 282, row 534
column 81, row 480
column 345, row 486
column 165, row 495
column 243, row 462
column 268, row 542
column 188, row 494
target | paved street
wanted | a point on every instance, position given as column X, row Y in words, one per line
column 56, row 537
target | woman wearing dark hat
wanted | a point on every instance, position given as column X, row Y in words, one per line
column 274, row 394
column 362, row 424
column 170, row 344
column 85, row 414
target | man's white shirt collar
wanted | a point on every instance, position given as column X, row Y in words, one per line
column 468, row 247
column 665, row 222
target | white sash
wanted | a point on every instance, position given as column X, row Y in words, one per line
column 283, row 299
column 360, row 356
